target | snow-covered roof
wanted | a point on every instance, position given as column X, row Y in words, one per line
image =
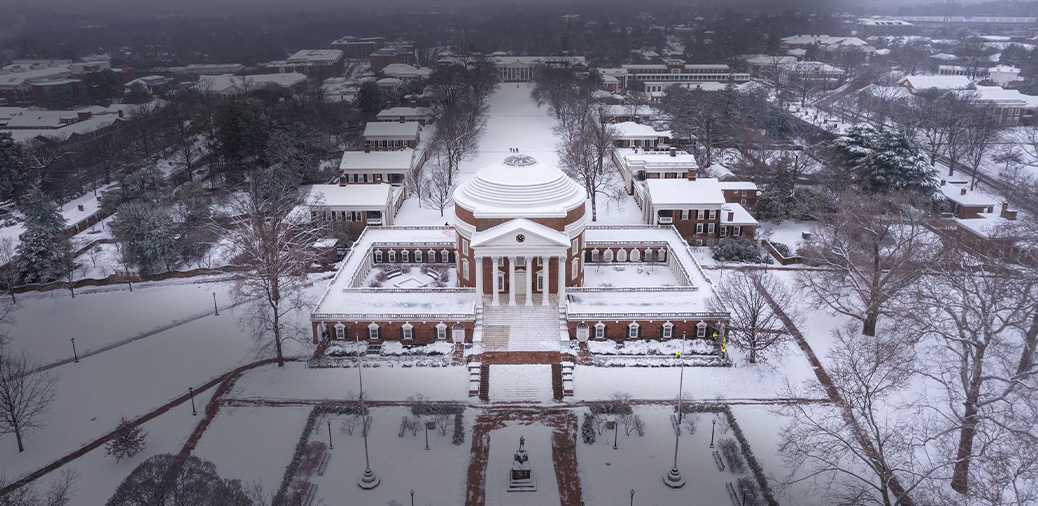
column 630, row 129
column 316, row 56
column 764, row 59
column 824, row 40
column 403, row 70
column 656, row 160
column 360, row 196
column 398, row 159
column 938, row 82
column 661, row 303
column 406, row 112
column 738, row 185
column 970, row 198
column 520, row 186
column 999, row 96
column 524, row 225
column 405, row 130
column 684, row 193
column 226, row 84
column 370, row 304
column 615, row 110
column 740, row 216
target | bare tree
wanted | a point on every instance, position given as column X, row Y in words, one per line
column 60, row 492
column 982, row 131
column 934, row 120
column 438, row 187
column 8, row 272
column 272, row 236
column 26, row 394
column 958, row 110
column 862, row 453
column 585, row 156
column 699, row 115
column 756, row 326
column 1014, row 176
column 978, row 311
column 870, row 251
column 458, row 130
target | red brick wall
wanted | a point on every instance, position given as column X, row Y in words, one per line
column 424, row 332
column 617, row 331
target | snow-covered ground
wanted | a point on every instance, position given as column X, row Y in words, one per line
column 503, row 444
column 383, row 383
column 629, row 275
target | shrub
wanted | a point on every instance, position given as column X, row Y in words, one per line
column 459, row 430
column 128, row 441
column 732, row 455
column 781, row 248
column 740, row 250
column 587, row 429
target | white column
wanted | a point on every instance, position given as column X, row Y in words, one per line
column 529, row 281
column 497, row 287
column 545, row 288
column 511, row 281
column 479, row 280
column 562, row 280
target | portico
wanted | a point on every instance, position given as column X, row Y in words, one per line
column 529, row 252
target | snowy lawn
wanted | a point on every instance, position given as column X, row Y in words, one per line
column 651, row 347
column 640, row 463
column 383, row 383
column 132, row 379
column 503, row 444
column 761, row 426
column 629, row 275
column 530, row 382
column 100, row 474
column 253, row 444
column 437, row 475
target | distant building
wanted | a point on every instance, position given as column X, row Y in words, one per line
column 521, row 68
column 832, row 48
column 308, row 60
column 368, row 167
column 1019, row 26
column 570, row 18
column 1003, row 74
column 358, row 206
column 405, row 72
column 636, row 135
column 49, row 83
column 422, row 115
column 390, row 54
column 697, row 208
column 210, row 69
column 383, row 136
column 915, row 84
column 151, row 84
column 226, row 85
column 354, row 48
column 879, row 27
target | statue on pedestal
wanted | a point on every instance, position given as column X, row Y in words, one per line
column 521, row 478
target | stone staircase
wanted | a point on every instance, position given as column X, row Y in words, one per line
column 495, row 337
column 475, row 378
column 484, row 382
column 529, row 328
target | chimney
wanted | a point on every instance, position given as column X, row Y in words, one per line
column 691, row 174
column 389, row 104
column 962, row 191
column 943, row 182
column 83, row 115
column 402, row 120
column 414, row 104
column 673, row 152
column 1006, row 213
column 731, row 216
column 81, row 208
column 367, row 148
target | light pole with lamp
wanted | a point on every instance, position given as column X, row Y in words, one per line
column 331, row 445
column 75, row 356
column 215, row 307
column 191, row 393
column 713, row 424
column 412, row 497
column 616, row 432
column 673, row 478
column 632, row 497
column 368, row 480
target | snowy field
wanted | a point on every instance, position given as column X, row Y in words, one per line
column 383, row 383
column 640, row 462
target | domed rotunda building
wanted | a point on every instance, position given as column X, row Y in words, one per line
column 520, row 232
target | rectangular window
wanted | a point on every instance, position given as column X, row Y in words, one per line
column 699, row 228
column 464, row 246
column 668, row 331
column 737, row 232
column 710, row 228
column 378, row 256
column 684, row 214
column 405, row 256
column 574, row 267
column 600, row 332
column 540, row 282
column 701, row 330
column 724, row 231
column 465, row 268
column 373, row 332
column 441, row 332
column 392, row 255
column 408, row 332
column 632, row 331
column 340, row 332
column 574, row 245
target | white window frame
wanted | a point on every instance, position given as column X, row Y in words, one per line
column 596, row 255
column 667, row 331
column 418, row 256
column 574, row 245
column 446, row 256
column 583, row 331
column 441, row 331
column 378, row 256
column 374, row 331
column 607, row 257
column 392, row 255
column 540, row 281
column 701, row 330
column 636, row 254
column 737, row 232
column 632, row 330
column 340, row 331
column 405, row 256
column 710, row 228
column 600, row 331
column 431, row 255
column 407, row 331
column 621, row 255
column 575, row 268
column 699, row 228
column 684, row 214
column 464, row 246
column 465, row 268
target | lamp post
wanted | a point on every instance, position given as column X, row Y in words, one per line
column 632, row 497
column 215, row 307
column 191, row 394
column 331, row 446
column 368, row 480
column 427, row 435
column 713, row 424
column 412, row 497
column 681, row 378
column 673, row 478
column 616, row 432
column 75, row 356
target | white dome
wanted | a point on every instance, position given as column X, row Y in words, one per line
column 520, row 187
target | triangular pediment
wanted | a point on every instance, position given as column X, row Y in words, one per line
column 518, row 233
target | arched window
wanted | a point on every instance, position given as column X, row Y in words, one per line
column 600, row 331
column 340, row 331
column 445, row 256
column 405, row 256
column 418, row 256
column 458, row 332
column 667, row 331
column 701, row 329
column 432, row 256
column 621, row 256
column 661, row 255
column 636, row 255
column 374, row 332
column 607, row 256
column 378, row 256
column 595, row 255
column 407, row 331
column 583, row 331
column 633, row 330
column 441, row 331
column 392, row 255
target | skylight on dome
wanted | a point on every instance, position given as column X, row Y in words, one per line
column 520, row 160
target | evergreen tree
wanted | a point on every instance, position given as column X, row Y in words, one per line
column 101, row 87
column 148, row 236
column 128, row 441
column 13, row 167
column 369, row 98
column 41, row 255
column 884, row 161
column 147, row 184
column 297, row 153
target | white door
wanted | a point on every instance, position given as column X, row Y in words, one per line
column 520, row 281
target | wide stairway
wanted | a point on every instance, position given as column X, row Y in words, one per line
column 520, row 328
